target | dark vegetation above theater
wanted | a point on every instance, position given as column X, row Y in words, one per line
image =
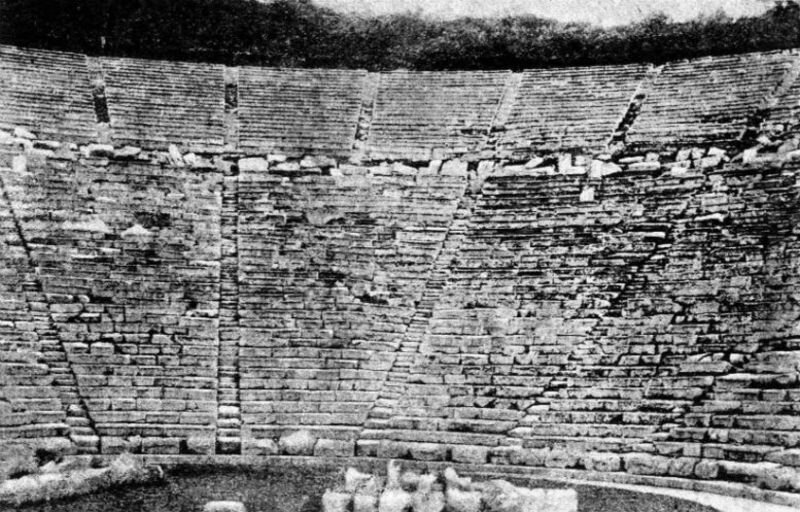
column 298, row 33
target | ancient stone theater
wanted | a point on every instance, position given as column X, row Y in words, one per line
column 577, row 274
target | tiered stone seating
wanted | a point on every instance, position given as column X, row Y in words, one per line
column 571, row 107
column 708, row 99
column 299, row 111
column 417, row 112
column 155, row 103
column 536, row 269
column 29, row 404
column 659, row 316
column 128, row 253
column 49, row 93
column 739, row 318
column 331, row 269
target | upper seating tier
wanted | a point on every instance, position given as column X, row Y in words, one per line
column 299, row 110
column 154, row 103
column 416, row 112
column 571, row 107
column 46, row 92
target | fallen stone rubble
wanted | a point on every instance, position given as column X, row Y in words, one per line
column 73, row 477
column 410, row 491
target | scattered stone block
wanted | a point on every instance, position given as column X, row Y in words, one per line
column 336, row 501
column 502, row 496
column 201, row 444
column 428, row 451
column 454, row 168
column 712, row 217
column 367, row 447
column 126, row 153
column 334, row 448
column 560, row 459
column 95, row 225
column 645, row 464
column 136, row 231
column 61, row 484
column 224, row 506
column 458, row 500
column 287, row 167
column 534, row 162
column 98, row 150
column 587, row 195
column 16, row 459
column 644, row 166
column 425, row 498
column 23, row 133
column 357, row 482
column 394, row 500
column 174, row 155
column 300, row 442
column 598, row 461
column 19, row 164
column 469, row 454
column 260, row 447
column 253, row 165
column 365, row 503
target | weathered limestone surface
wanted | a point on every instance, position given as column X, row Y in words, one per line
column 128, row 256
column 570, row 108
column 154, row 103
column 72, row 479
column 30, row 407
column 299, row 110
column 46, row 94
column 624, row 312
column 330, row 270
column 431, row 492
column 419, row 113
column 708, row 99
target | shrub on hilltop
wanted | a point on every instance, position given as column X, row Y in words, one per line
column 298, row 33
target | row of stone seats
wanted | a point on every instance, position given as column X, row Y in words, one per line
column 571, row 107
column 331, row 269
column 613, row 336
column 47, row 92
column 299, row 110
column 153, row 103
column 522, row 290
column 417, row 112
column 128, row 257
column 708, row 99
column 29, row 404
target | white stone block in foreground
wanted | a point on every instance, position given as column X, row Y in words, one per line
column 224, row 506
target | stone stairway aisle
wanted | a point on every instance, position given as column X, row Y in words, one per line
column 408, row 353
column 229, row 412
column 80, row 427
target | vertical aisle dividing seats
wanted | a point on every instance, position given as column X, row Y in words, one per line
column 331, row 271
column 47, row 93
column 153, row 103
column 570, row 108
column 128, row 253
column 708, row 100
column 299, row 111
column 30, row 407
column 417, row 112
